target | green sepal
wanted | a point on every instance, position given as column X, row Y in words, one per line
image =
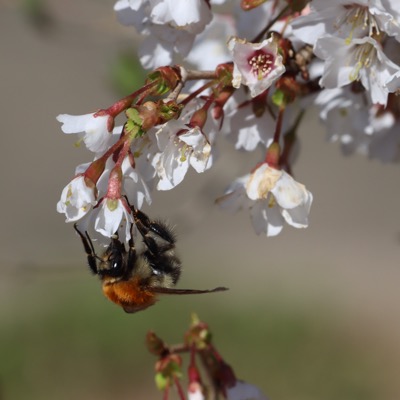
column 132, row 129
column 279, row 98
column 170, row 110
column 133, row 114
column 133, row 126
column 162, row 381
column 163, row 86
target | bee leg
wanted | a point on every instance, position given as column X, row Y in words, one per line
column 131, row 251
column 146, row 225
column 160, row 244
column 89, row 249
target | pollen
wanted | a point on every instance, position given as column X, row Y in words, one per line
column 358, row 17
column 261, row 63
column 271, row 201
column 183, row 151
column 69, row 192
column 364, row 56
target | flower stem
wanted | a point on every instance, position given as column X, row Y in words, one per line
column 127, row 101
column 196, row 75
column 181, row 393
column 166, row 393
column 278, row 126
column 197, row 92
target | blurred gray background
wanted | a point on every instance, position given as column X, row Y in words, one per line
column 311, row 314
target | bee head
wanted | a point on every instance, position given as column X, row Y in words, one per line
column 112, row 262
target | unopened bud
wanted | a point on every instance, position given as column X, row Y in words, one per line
column 154, row 344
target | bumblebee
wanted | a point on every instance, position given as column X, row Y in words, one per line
column 133, row 279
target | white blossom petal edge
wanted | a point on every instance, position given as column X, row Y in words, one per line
column 92, row 129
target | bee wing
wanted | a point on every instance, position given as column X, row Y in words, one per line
column 186, row 291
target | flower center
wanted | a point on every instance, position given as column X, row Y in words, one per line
column 261, row 63
column 363, row 55
column 358, row 17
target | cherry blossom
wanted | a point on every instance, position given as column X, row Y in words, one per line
column 347, row 20
column 166, row 32
column 180, row 148
column 256, row 65
column 361, row 60
column 346, row 119
column 94, row 129
column 77, row 198
column 273, row 198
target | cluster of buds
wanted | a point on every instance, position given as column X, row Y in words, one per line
column 205, row 365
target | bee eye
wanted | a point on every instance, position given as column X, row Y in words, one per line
column 115, row 261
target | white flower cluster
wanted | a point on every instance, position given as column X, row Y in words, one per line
column 161, row 157
column 259, row 68
column 357, row 44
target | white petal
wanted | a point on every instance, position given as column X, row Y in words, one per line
column 289, row 193
column 94, row 129
column 298, row 216
column 235, row 196
column 262, row 181
column 110, row 220
column 76, row 200
column 266, row 219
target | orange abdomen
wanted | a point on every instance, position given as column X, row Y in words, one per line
column 129, row 295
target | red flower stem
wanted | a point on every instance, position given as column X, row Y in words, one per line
column 114, row 148
column 127, row 101
column 96, row 168
column 208, row 103
column 166, row 393
column 115, row 180
column 181, row 393
column 278, row 126
column 123, row 152
column 179, row 349
column 193, row 355
column 272, row 154
column 217, row 356
column 289, row 141
column 197, row 92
